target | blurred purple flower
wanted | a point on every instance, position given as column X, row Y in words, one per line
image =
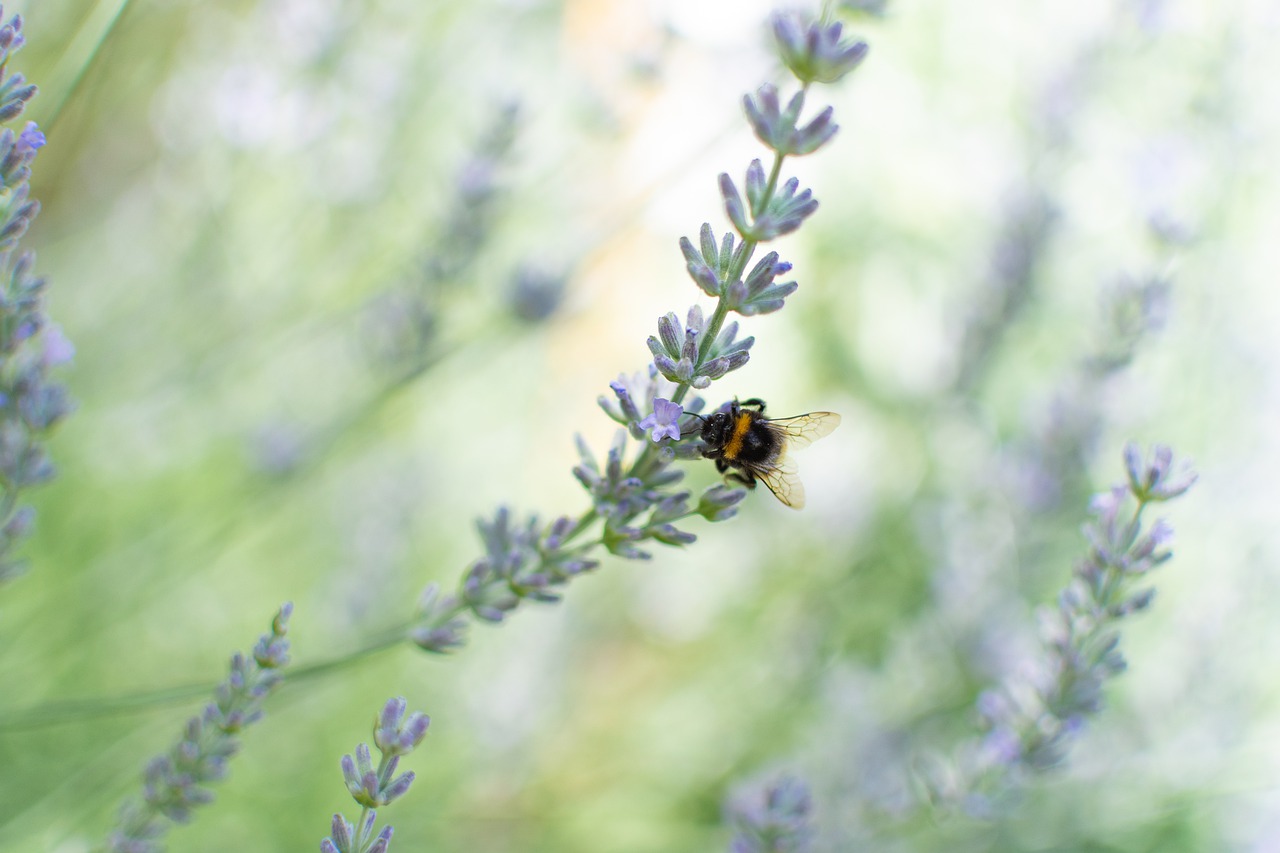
column 32, row 137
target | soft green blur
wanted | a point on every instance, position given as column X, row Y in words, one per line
column 229, row 186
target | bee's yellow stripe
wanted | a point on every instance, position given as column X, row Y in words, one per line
column 733, row 446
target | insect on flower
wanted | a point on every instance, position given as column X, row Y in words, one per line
column 739, row 436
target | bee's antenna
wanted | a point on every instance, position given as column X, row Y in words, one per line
column 694, row 415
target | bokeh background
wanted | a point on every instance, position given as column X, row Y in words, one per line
column 343, row 277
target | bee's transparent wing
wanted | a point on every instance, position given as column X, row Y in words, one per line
column 783, row 480
column 803, row 430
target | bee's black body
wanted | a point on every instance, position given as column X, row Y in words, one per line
column 740, row 437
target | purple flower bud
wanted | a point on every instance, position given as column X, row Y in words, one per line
column 667, row 534
column 715, row 368
column 1139, row 601
column 11, row 37
column 488, row 613
column 670, row 334
column 689, row 352
column 16, row 102
column 341, row 833
column 736, row 294
column 280, row 624
column 719, row 502
column 349, row 770
column 398, row 788
column 383, row 842
column 757, row 184
column 1002, row 746
column 20, row 524
column 441, row 638
column 733, row 206
column 694, row 321
column 702, row 273
column 815, row 134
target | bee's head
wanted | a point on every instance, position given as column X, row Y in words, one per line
column 714, row 428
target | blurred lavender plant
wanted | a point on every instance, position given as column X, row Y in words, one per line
column 399, row 326
column 30, row 404
column 774, row 817
column 1133, row 307
column 174, row 782
column 1032, row 721
column 1048, row 468
column 403, row 321
column 528, row 559
column 1026, row 230
column 394, row 736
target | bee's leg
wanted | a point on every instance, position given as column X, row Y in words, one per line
column 755, row 403
column 721, row 465
column 747, row 479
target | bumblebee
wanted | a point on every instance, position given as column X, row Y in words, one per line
column 739, row 436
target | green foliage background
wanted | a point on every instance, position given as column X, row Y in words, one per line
column 228, row 186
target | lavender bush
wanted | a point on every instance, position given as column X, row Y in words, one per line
column 31, row 402
column 229, row 212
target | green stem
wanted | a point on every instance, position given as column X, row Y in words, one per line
column 82, row 55
column 53, row 713
column 1114, row 578
column 584, row 521
column 772, row 186
column 390, row 639
column 360, row 838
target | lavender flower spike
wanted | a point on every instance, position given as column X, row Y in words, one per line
column 1032, row 721
column 815, row 53
column 394, row 735
column 174, row 781
column 665, row 420
column 635, row 499
column 29, row 344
